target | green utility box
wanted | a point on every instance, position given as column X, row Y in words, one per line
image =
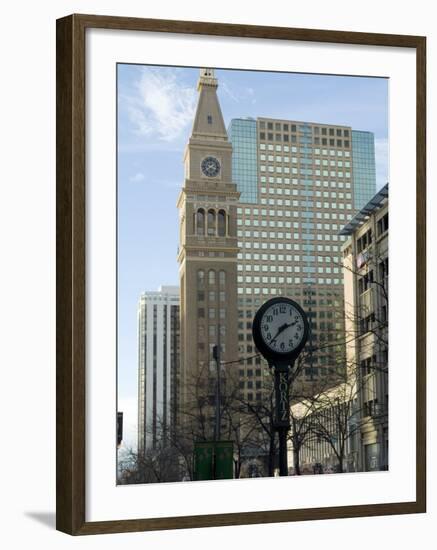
column 213, row 460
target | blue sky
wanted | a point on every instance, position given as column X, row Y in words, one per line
column 156, row 107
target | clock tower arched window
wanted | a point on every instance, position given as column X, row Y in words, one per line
column 221, row 225
column 200, row 222
column 211, row 223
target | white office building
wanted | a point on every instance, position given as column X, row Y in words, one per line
column 158, row 361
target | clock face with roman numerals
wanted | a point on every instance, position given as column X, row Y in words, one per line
column 280, row 329
column 210, row 167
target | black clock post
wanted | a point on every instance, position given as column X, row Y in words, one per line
column 280, row 331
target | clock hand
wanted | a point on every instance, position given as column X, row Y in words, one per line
column 281, row 329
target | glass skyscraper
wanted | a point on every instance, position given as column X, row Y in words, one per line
column 243, row 136
column 298, row 189
column 363, row 158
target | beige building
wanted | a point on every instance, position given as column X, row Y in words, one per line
column 366, row 313
column 207, row 261
column 346, row 427
column 326, row 430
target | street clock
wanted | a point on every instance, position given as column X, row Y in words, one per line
column 280, row 330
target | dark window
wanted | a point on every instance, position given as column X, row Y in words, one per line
column 201, row 222
column 382, row 225
column 364, row 283
column 384, row 314
column 324, row 131
column 368, row 365
column 338, row 142
column 262, row 135
column 366, row 323
column 364, row 241
column 270, row 137
column 222, row 223
column 211, row 222
column 324, row 141
column 331, row 131
column 209, row 119
column 332, row 142
column 285, row 137
column 346, row 143
column 383, row 271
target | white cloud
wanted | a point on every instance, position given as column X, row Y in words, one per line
column 229, row 92
column 162, row 106
column 139, row 176
column 238, row 94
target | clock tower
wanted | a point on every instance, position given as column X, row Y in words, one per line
column 207, row 259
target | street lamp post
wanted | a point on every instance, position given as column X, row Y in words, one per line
column 218, row 420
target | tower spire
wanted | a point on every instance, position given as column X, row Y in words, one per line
column 208, row 121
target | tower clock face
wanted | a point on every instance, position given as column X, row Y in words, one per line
column 280, row 329
column 210, row 167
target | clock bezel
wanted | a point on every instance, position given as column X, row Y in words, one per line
column 272, row 356
column 216, row 159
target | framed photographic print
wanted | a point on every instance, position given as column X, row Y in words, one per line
column 231, row 348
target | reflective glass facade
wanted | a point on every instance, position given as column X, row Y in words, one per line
column 364, row 177
column 242, row 134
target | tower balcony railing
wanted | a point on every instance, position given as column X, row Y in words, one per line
column 211, row 240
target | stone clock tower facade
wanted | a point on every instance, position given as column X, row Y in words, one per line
column 207, row 259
